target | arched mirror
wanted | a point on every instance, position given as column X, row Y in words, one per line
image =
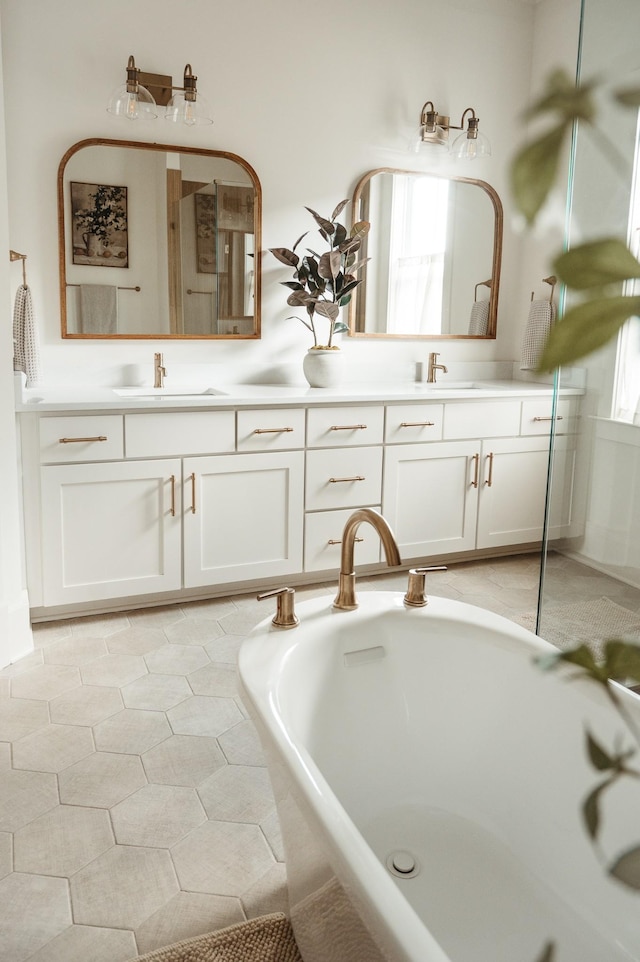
column 158, row 241
column 435, row 247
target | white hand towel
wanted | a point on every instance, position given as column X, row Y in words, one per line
column 542, row 314
column 479, row 321
column 26, row 344
column 99, row 308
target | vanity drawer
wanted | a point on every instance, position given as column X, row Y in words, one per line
column 343, row 479
column 271, row 430
column 481, row 419
column 94, row 438
column 338, row 426
column 189, row 432
column 537, row 416
column 414, row 422
column 323, row 540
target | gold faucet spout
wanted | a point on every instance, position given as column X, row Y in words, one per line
column 159, row 371
column 346, row 597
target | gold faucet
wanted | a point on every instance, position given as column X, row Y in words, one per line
column 346, row 597
column 433, row 367
column 159, row 371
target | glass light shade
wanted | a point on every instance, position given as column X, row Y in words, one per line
column 138, row 105
column 470, row 148
column 426, row 141
column 187, row 112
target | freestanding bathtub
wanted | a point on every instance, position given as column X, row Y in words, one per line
column 429, row 781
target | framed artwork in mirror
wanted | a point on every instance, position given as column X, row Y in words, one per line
column 205, row 233
column 99, row 225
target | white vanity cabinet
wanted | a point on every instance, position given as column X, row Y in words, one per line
column 110, row 530
column 484, row 485
column 149, row 505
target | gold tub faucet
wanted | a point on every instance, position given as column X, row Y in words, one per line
column 433, row 367
column 346, row 597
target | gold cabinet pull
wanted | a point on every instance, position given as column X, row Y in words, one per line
column 339, row 541
column 357, row 477
column 417, row 424
column 192, row 478
column 558, row 417
column 348, row 427
column 272, row 430
column 476, row 470
column 76, row 440
column 489, row 480
column 172, row 509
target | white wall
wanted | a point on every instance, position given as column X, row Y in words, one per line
column 310, row 96
column 15, row 632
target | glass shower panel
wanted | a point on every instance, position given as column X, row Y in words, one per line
column 590, row 585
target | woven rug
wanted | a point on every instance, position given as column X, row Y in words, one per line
column 265, row 939
column 592, row 622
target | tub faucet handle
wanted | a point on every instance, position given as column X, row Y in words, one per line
column 415, row 596
column 285, row 616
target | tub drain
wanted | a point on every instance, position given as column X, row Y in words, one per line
column 402, row 864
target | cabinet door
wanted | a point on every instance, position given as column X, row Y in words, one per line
column 512, row 491
column 429, row 496
column 242, row 517
column 109, row 530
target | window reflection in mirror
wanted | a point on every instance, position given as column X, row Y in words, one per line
column 177, row 262
column 435, row 247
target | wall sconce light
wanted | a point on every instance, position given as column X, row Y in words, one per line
column 134, row 100
column 434, row 131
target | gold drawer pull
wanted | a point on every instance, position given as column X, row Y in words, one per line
column 76, row 440
column 357, row 477
column 489, row 480
column 348, row 427
column 558, row 417
column 192, row 478
column 333, row 541
column 417, row 424
column 476, row 470
column 172, row 510
column 272, row 430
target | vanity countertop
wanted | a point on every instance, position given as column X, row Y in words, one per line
column 191, row 396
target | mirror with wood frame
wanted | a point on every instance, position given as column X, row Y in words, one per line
column 157, row 241
column 435, row 247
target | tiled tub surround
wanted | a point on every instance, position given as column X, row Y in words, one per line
column 139, row 501
column 135, row 808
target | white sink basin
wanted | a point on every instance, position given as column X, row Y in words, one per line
column 446, row 385
column 166, row 392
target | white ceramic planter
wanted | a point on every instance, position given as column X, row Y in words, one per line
column 323, row 368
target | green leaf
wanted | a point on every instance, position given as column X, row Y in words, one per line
column 563, row 97
column 302, row 237
column 629, row 97
column 622, row 660
column 627, row 868
column 596, row 264
column 339, row 327
column 285, row 256
column 534, row 170
column 548, row 953
column 598, row 757
column 585, row 328
column 591, row 808
column 339, row 236
column 299, row 299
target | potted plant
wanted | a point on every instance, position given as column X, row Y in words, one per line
column 322, row 284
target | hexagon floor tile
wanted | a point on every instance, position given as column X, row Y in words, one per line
column 148, row 810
